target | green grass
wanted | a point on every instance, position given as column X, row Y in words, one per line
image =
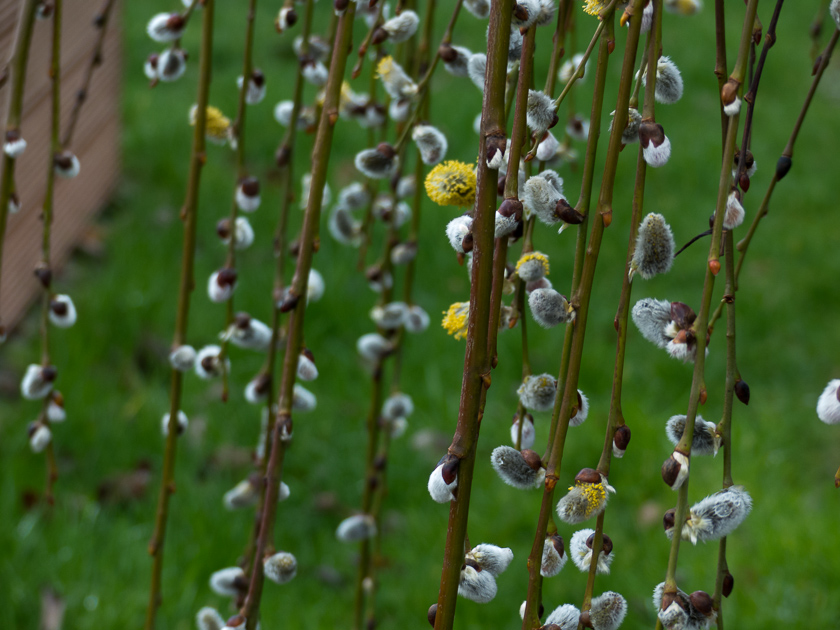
column 115, row 379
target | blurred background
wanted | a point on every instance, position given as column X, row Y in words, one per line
column 89, row 549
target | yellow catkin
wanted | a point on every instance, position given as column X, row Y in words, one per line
column 533, row 256
column 218, row 125
column 451, row 183
column 594, row 7
column 456, row 318
column 385, row 67
column 594, row 494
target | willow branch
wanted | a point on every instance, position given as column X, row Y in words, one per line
column 476, row 359
column 100, row 21
column 189, row 214
column 295, row 305
column 18, row 63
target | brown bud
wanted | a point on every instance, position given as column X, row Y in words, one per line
column 567, row 213
column 669, row 520
column 744, row 182
column 379, row 36
column 728, row 584
column 57, row 398
column 588, row 475
column 386, row 149
column 532, row 459
column 373, row 273
column 450, row 469
column 682, row 314
column 782, row 167
column 380, row 462
column 237, row 621
column 341, row 5
column 511, row 207
column 714, row 266
column 742, row 391
column 263, row 383
column 670, row 598
column 670, row 470
column 223, row 228
column 44, row 274
column 584, row 619
column 282, row 155
column 226, row 277
column 704, row 395
column 500, row 186
column 447, row 53
column 702, row 601
column 12, row 135
column 432, row 614
column 250, row 186
column 175, row 22
column 606, row 543
column 468, row 242
column 289, row 302
column 621, row 439
column 58, row 307
column 557, row 543
column 650, row 131
column 308, row 354
column 291, row 17
column 496, row 141
column 816, row 67
column 729, row 92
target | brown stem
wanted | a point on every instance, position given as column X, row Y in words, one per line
column 189, row 216
column 18, row 64
column 476, row 360
column 101, row 23
column 295, row 304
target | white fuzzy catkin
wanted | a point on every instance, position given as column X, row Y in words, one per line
column 401, row 27
column 674, row 617
column 171, row 65
column 40, row 437
column 657, row 155
column 255, row 335
column 166, row 27
column 373, row 346
column 225, row 581
column 732, row 108
column 302, row 399
column 219, row 292
column 828, row 406
column 479, row 8
column 538, row 391
column 62, row 311
column 477, row 586
column 578, row 128
column 583, row 501
column 14, row 147
column 356, row 528
column 397, row 405
column 417, row 319
column 255, row 92
column 717, row 515
column 476, row 68
column 207, row 362
column 209, row 619
column 581, row 553
column 280, row 567
column 512, row 468
column 344, row 228
column 389, row 316
column 430, row 142
column 396, row 82
column 314, row 72
column 459, row 65
column 669, row 82
column 549, row 308
column 548, row 147
column 540, row 112
column 532, row 12
column 654, row 252
column 652, row 318
column 608, row 611
column 582, row 413
column 495, row 560
column 529, row 434
column 734, row 214
column 35, row 383
column 631, row 129
column 680, row 612
column 834, row 10
column 306, row 369
column 567, row 69
column 504, row 226
column 683, row 7
column 565, row 617
column 376, row 164
column 552, row 562
column 705, row 442
column 181, row 425
column 439, row 490
column 456, row 230
column 541, row 195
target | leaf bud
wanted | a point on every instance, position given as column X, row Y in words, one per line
column 742, row 391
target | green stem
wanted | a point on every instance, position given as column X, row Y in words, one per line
column 189, row 216
column 295, row 304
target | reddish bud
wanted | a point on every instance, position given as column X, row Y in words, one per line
column 742, row 391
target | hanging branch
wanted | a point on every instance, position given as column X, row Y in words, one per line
column 189, row 214
column 476, row 360
column 100, row 21
column 713, row 266
column 18, row 64
column 295, row 305
column 585, row 260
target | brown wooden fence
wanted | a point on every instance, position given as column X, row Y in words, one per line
column 95, row 142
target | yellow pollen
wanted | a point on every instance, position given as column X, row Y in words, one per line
column 594, row 7
column 456, row 318
column 594, row 494
column 218, row 125
column 542, row 258
column 451, row 183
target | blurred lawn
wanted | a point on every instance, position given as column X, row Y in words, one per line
column 115, row 379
